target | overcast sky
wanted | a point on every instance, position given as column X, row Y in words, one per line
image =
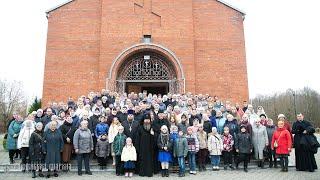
column 282, row 43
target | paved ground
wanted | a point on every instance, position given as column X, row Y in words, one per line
column 253, row 174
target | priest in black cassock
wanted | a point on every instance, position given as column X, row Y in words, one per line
column 145, row 147
column 305, row 144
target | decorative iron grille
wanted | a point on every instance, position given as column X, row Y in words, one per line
column 147, row 66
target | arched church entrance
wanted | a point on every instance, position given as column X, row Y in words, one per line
column 147, row 71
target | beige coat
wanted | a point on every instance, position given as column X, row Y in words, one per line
column 129, row 153
column 203, row 140
column 215, row 144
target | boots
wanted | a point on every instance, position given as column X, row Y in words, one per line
column 275, row 163
column 167, row 173
column 48, row 174
column 40, row 173
column 270, row 163
column 162, row 172
column 204, row 168
column 33, row 174
column 262, row 164
column 259, row 163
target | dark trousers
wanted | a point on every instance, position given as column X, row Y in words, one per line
column 83, row 157
column 243, row 157
column 202, row 156
column 11, row 154
column 283, row 161
column 25, row 159
column 272, row 156
column 119, row 165
column 102, row 161
column 227, row 158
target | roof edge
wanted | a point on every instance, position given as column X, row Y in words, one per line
column 58, row 6
column 232, row 7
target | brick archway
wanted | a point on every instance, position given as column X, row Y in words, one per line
column 112, row 81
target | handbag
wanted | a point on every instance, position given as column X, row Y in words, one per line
column 275, row 144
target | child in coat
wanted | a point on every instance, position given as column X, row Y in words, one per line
column 244, row 147
column 228, row 143
column 102, row 150
column 180, row 150
column 215, row 147
column 164, row 145
column 203, row 145
column 118, row 144
column 129, row 156
column 193, row 148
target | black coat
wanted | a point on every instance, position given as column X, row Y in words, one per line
column 207, row 127
column 305, row 160
column 93, row 121
column 35, row 147
column 67, row 131
column 145, row 144
column 243, row 142
column 134, row 129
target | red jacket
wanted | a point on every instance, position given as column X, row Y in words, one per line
column 283, row 138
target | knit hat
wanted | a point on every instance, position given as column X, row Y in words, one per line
column 281, row 116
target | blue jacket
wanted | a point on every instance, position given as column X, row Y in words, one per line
column 220, row 121
column 14, row 128
column 101, row 128
column 213, row 121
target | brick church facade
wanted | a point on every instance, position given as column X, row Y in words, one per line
column 160, row 46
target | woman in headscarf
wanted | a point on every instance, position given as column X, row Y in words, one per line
column 13, row 133
column 259, row 141
column 23, row 140
column 52, row 147
column 35, row 150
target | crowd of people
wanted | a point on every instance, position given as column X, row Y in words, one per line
column 146, row 134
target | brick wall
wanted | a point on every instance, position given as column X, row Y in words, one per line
column 85, row 36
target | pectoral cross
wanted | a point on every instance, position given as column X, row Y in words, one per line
column 149, row 17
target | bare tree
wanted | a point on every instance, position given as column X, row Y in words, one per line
column 12, row 99
column 306, row 101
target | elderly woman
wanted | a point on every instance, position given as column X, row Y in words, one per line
column 35, row 150
column 13, row 133
column 83, row 145
column 67, row 131
column 52, row 147
column 55, row 119
column 260, row 141
column 23, row 140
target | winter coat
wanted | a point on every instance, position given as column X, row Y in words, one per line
column 193, row 143
column 173, row 136
column 228, row 142
column 220, row 121
column 203, row 140
column 118, row 143
column 164, row 141
column 270, row 131
column 35, row 146
column 83, row 141
column 233, row 127
column 52, row 146
column 113, row 131
column 215, row 144
column 207, row 127
column 180, row 148
column 129, row 153
column 101, row 128
column 102, row 148
column 93, row 121
column 13, row 133
column 25, row 134
column 283, row 138
column 67, row 131
column 183, row 127
column 259, row 140
column 243, row 143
